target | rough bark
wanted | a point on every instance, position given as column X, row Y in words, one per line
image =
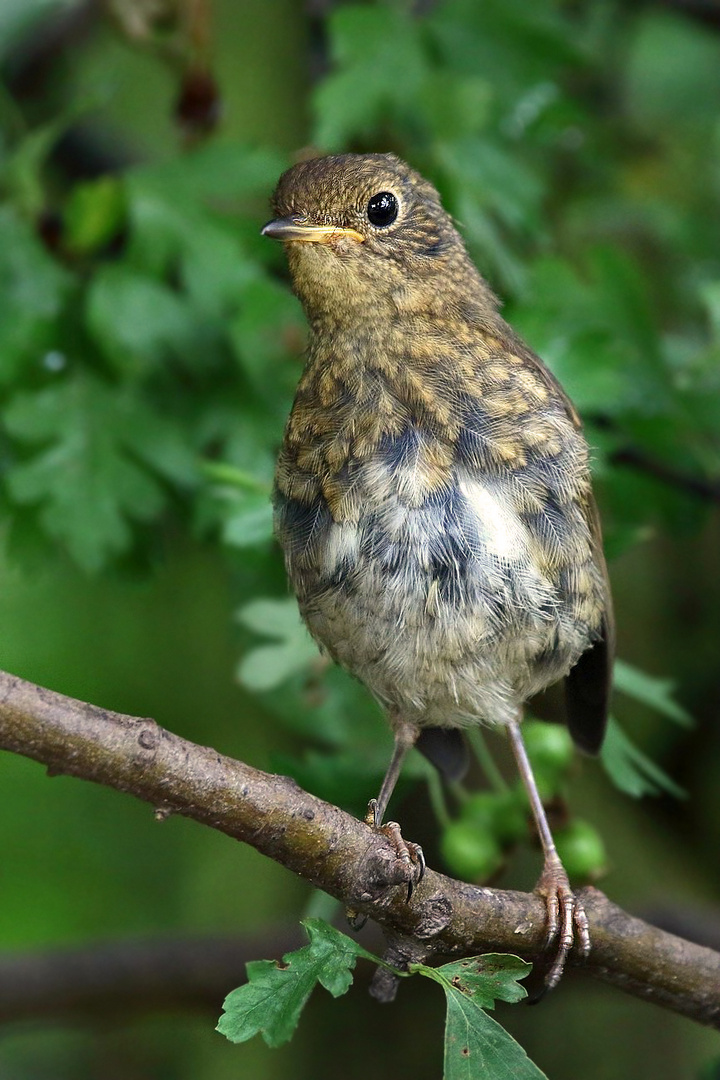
column 340, row 854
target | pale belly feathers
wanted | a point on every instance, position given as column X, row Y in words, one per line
column 454, row 611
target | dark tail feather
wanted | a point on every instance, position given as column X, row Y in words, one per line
column 587, row 696
column 446, row 749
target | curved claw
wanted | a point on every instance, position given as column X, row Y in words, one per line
column 422, row 865
column 411, row 855
column 417, row 857
column 372, row 817
column 566, row 916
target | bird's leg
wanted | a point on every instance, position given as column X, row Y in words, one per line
column 409, row 854
column 405, row 736
column 566, row 915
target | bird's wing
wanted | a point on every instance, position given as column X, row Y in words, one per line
column 588, row 685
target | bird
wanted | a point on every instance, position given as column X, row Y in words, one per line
column 432, row 494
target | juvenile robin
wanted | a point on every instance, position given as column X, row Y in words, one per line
column 433, row 495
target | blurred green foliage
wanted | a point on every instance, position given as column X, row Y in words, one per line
column 149, row 348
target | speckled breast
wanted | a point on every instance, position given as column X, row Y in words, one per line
column 441, row 554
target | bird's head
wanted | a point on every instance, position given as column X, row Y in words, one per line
column 364, row 229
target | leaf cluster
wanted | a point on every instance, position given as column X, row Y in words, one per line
column 271, row 1001
column 146, row 337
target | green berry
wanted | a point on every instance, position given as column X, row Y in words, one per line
column 502, row 813
column 480, row 808
column 511, row 823
column 549, row 747
column 470, row 851
column 581, row 850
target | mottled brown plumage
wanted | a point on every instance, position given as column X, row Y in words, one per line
column 433, row 495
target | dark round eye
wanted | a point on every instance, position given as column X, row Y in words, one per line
column 382, row 209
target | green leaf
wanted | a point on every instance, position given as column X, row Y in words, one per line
column 22, row 170
column 514, row 44
column 595, row 332
column 470, row 853
column 138, row 321
column 581, row 850
column 17, row 18
column 347, row 778
column 272, row 618
column 485, row 979
column 271, row 1001
column 631, row 770
column 650, row 690
column 229, row 475
column 454, row 105
column 33, row 291
column 218, row 172
column 475, row 1044
column 710, row 293
column 487, row 190
column 95, row 470
column 328, row 707
column 673, row 76
column 369, row 45
column 267, row 666
column 251, row 521
column 245, row 502
column 267, row 331
column 171, row 235
column 94, row 215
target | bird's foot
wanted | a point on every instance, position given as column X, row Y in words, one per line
column 567, row 922
column 409, row 855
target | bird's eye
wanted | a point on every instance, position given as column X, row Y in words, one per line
column 382, row 209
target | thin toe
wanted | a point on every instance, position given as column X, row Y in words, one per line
column 409, row 854
column 567, row 922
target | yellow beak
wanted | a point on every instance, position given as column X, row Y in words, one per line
column 294, row 228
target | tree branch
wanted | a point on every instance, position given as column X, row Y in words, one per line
column 660, row 470
column 104, row 980
column 341, row 855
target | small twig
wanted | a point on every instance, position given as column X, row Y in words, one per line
column 107, row 979
column 339, row 854
column 476, row 738
column 667, row 474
